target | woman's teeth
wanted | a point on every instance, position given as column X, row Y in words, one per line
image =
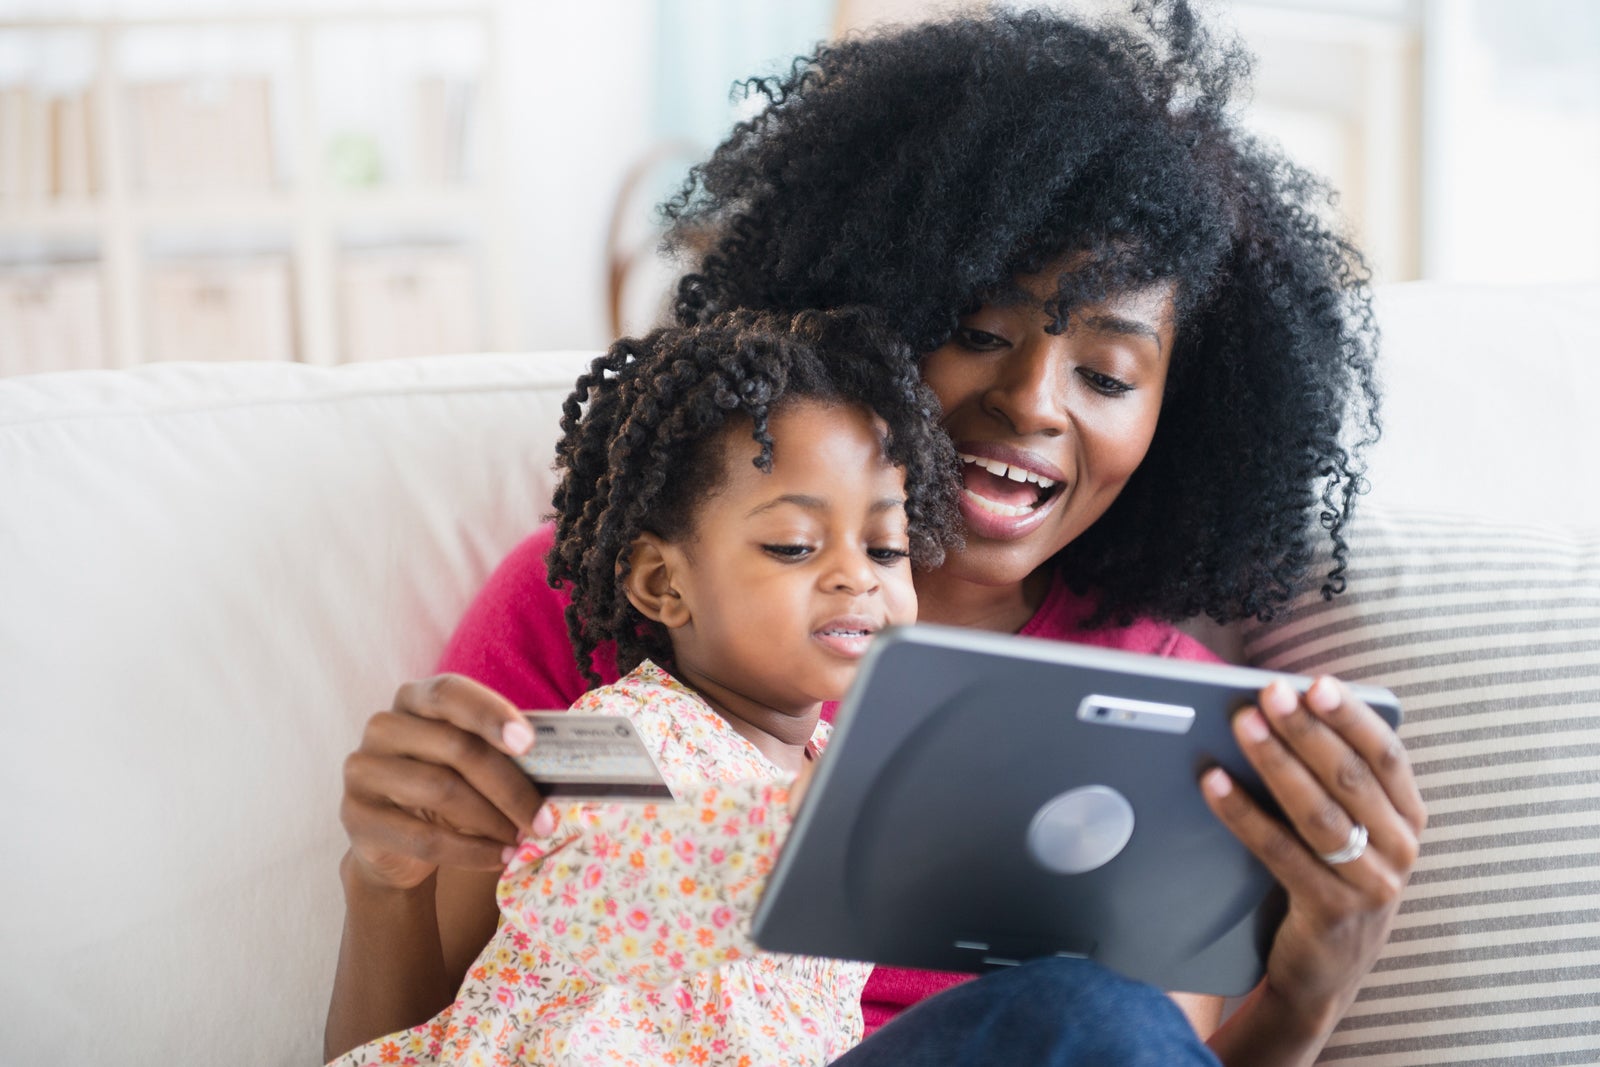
column 994, row 507
column 1001, row 470
column 996, row 498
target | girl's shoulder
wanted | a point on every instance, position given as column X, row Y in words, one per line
column 644, row 693
column 691, row 742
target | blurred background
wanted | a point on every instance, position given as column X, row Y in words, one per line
column 346, row 179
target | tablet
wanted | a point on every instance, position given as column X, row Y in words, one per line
column 988, row 799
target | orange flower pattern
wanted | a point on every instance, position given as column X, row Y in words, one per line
column 624, row 937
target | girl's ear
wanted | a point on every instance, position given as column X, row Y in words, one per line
column 652, row 565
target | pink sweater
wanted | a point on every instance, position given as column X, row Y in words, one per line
column 513, row 639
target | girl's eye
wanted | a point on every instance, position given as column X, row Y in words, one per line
column 787, row 552
column 1104, row 384
column 888, row 555
column 978, row 340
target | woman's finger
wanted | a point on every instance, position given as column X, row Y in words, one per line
column 1362, row 778
column 1327, row 825
column 1278, row 847
column 1374, row 741
column 1319, row 818
column 455, row 722
column 387, row 837
column 423, row 788
column 470, row 706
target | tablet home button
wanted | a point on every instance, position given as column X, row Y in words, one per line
column 1080, row 830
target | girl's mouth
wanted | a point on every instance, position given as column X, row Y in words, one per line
column 849, row 639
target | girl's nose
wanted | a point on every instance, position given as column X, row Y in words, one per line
column 1027, row 388
column 851, row 571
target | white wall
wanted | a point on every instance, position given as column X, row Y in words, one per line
column 1394, row 100
column 1454, row 158
column 577, row 79
column 1512, row 149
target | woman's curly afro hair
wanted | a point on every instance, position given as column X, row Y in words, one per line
column 922, row 170
column 641, row 434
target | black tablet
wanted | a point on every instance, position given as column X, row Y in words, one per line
column 988, row 799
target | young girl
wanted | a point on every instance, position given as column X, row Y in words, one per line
column 739, row 512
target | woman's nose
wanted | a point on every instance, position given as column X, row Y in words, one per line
column 1028, row 388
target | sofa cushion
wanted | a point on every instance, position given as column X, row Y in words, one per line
column 1489, row 632
column 211, row 576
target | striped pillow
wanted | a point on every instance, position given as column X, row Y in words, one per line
column 1490, row 635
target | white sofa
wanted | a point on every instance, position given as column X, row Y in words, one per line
column 210, row 575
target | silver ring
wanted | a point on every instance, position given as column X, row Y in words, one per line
column 1354, row 846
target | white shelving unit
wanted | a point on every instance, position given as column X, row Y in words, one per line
column 307, row 211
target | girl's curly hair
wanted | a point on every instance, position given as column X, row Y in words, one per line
column 922, row 170
column 640, row 435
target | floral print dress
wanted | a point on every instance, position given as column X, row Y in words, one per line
column 624, row 936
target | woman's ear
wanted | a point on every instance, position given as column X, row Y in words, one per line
column 652, row 566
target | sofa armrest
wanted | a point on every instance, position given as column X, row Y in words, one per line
column 211, row 576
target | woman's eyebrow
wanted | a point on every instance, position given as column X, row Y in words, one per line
column 1118, row 324
column 1099, row 321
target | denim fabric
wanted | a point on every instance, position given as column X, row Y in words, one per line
column 1056, row 1012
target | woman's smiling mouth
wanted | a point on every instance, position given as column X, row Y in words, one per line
column 1004, row 493
column 1004, row 489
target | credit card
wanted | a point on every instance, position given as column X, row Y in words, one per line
column 598, row 757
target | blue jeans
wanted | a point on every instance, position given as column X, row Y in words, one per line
column 1057, row 1012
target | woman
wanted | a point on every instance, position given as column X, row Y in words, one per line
column 1153, row 356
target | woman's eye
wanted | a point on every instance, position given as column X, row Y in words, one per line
column 787, row 551
column 1104, row 384
column 888, row 555
column 978, row 340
